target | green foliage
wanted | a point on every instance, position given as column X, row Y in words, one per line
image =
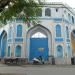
column 39, row 12
column 15, row 7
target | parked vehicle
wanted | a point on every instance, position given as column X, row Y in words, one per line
column 38, row 60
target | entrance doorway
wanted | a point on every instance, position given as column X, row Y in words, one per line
column 39, row 43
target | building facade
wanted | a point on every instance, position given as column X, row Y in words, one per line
column 53, row 35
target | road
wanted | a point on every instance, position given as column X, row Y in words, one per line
column 37, row 70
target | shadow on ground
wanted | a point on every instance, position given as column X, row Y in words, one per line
column 12, row 74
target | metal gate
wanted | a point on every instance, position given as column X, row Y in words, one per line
column 38, row 47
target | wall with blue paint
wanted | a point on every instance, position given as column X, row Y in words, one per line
column 39, row 47
column 3, row 44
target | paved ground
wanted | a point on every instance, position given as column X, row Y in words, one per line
column 37, row 70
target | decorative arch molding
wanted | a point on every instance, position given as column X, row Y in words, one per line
column 3, row 32
column 37, row 28
column 43, row 30
column 3, row 43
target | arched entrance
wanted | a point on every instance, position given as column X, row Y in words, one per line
column 73, row 42
column 39, row 43
column 3, row 43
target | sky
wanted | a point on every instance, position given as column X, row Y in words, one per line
column 71, row 3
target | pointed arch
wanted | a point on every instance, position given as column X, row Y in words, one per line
column 3, row 43
column 47, row 12
column 30, row 40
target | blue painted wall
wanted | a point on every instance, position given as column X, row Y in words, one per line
column 3, row 43
column 3, row 47
column 38, row 47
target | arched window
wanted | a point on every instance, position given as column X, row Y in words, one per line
column 57, row 9
column 9, row 51
column 58, row 31
column 19, row 31
column 18, row 51
column 59, row 51
column 47, row 12
column 72, row 19
column 67, row 32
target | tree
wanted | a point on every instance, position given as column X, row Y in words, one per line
column 15, row 8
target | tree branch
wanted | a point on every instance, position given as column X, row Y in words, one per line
column 3, row 3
